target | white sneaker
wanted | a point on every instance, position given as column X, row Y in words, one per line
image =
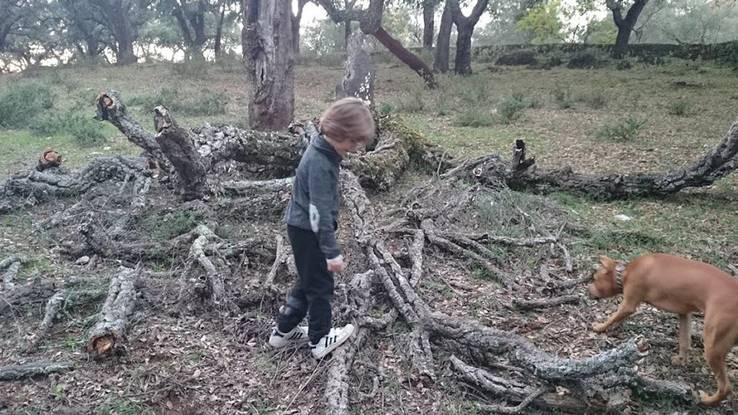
column 296, row 336
column 331, row 341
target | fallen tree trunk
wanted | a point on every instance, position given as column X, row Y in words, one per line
column 18, row 372
column 110, row 107
column 472, row 335
column 268, row 153
column 177, row 145
column 108, row 334
column 522, row 174
column 273, row 155
column 34, row 187
column 262, row 154
column 518, row 392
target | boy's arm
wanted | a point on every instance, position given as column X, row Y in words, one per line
column 322, row 185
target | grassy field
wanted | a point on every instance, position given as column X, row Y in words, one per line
column 646, row 119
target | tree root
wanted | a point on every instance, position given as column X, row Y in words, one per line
column 36, row 187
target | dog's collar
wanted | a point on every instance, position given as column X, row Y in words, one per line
column 619, row 270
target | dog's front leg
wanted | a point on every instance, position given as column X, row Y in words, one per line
column 685, row 340
column 625, row 309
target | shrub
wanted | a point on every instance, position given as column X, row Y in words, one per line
column 625, row 130
column 21, row 103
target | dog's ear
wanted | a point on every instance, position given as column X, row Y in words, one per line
column 606, row 261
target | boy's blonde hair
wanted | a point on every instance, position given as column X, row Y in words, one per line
column 348, row 119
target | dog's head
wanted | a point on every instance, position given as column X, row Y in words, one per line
column 604, row 285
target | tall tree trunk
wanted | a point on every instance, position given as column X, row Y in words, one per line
column 218, row 47
column 93, row 46
column 465, row 28
column 359, row 74
column 268, row 51
column 346, row 34
column 625, row 25
column 348, row 5
column 429, row 8
column 440, row 59
column 408, row 58
column 122, row 29
column 296, row 20
column 463, row 49
column 192, row 25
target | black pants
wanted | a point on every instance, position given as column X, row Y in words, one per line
column 313, row 290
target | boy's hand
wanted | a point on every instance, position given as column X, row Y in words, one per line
column 336, row 264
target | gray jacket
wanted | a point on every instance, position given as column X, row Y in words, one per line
column 314, row 202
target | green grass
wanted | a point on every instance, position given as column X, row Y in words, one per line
column 170, row 224
column 84, row 129
column 474, row 118
column 680, row 108
column 21, row 148
column 690, row 224
column 626, row 129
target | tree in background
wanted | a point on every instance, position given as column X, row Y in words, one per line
column 29, row 33
column 691, row 21
column 600, row 32
column 190, row 17
column 428, row 9
column 465, row 30
column 296, row 21
column 625, row 24
column 370, row 22
column 443, row 41
column 543, row 22
column 88, row 37
column 502, row 28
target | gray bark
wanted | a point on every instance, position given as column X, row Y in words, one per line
column 107, row 336
column 359, row 73
column 267, row 42
column 17, row 372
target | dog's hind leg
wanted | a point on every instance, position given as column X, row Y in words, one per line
column 719, row 339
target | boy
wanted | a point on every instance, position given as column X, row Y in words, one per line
column 311, row 218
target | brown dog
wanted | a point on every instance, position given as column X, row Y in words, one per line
column 681, row 286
